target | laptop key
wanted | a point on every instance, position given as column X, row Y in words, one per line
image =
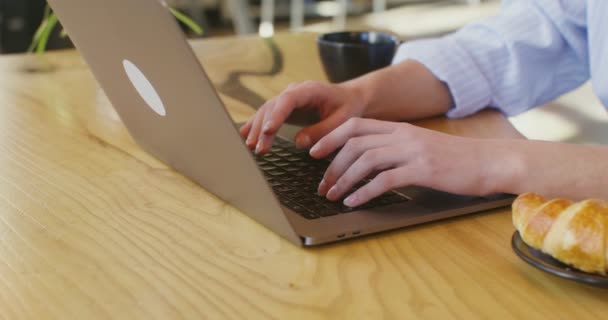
column 267, row 167
column 324, row 212
column 272, row 158
column 275, row 172
column 310, row 216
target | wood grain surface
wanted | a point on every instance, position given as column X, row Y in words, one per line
column 91, row 227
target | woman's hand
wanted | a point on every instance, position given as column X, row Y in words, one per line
column 400, row 92
column 334, row 104
column 402, row 155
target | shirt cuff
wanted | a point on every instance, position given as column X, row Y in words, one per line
column 450, row 63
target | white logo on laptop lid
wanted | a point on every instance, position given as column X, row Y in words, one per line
column 144, row 87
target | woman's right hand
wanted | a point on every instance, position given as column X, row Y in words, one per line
column 334, row 104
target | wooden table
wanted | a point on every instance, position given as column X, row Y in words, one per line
column 91, row 227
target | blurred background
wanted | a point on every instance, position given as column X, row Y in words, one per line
column 19, row 19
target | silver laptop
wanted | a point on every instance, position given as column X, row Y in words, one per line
column 140, row 57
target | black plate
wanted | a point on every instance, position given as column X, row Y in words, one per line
column 545, row 262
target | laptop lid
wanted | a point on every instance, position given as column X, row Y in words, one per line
column 139, row 55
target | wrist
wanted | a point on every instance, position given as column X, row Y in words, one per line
column 402, row 92
column 505, row 165
column 361, row 91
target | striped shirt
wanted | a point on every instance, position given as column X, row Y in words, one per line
column 530, row 53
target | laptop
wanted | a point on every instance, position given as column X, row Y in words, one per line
column 141, row 59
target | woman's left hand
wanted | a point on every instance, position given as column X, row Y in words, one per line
column 402, row 154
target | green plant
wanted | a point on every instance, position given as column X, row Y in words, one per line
column 49, row 22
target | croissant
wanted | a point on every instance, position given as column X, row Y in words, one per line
column 573, row 233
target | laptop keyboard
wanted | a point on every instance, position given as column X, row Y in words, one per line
column 295, row 176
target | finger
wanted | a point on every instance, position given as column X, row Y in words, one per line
column 375, row 159
column 265, row 139
column 244, row 130
column 383, row 182
column 267, row 144
column 310, row 135
column 256, row 127
column 354, row 127
column 352, row 150
column 309, row 93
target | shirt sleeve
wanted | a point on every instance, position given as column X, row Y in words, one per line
column 530, row 53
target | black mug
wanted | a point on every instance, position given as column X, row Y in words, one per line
column 347, row 55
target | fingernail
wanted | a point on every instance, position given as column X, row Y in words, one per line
column 249, row 142
column 351, row 201
column 267, row 127
column 302, row 141
column 258, row 147
column 314, row 149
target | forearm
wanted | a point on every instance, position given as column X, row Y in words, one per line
column 548, row 168
column 404, row 91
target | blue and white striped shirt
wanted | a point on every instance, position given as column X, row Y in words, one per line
column 530, row 53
